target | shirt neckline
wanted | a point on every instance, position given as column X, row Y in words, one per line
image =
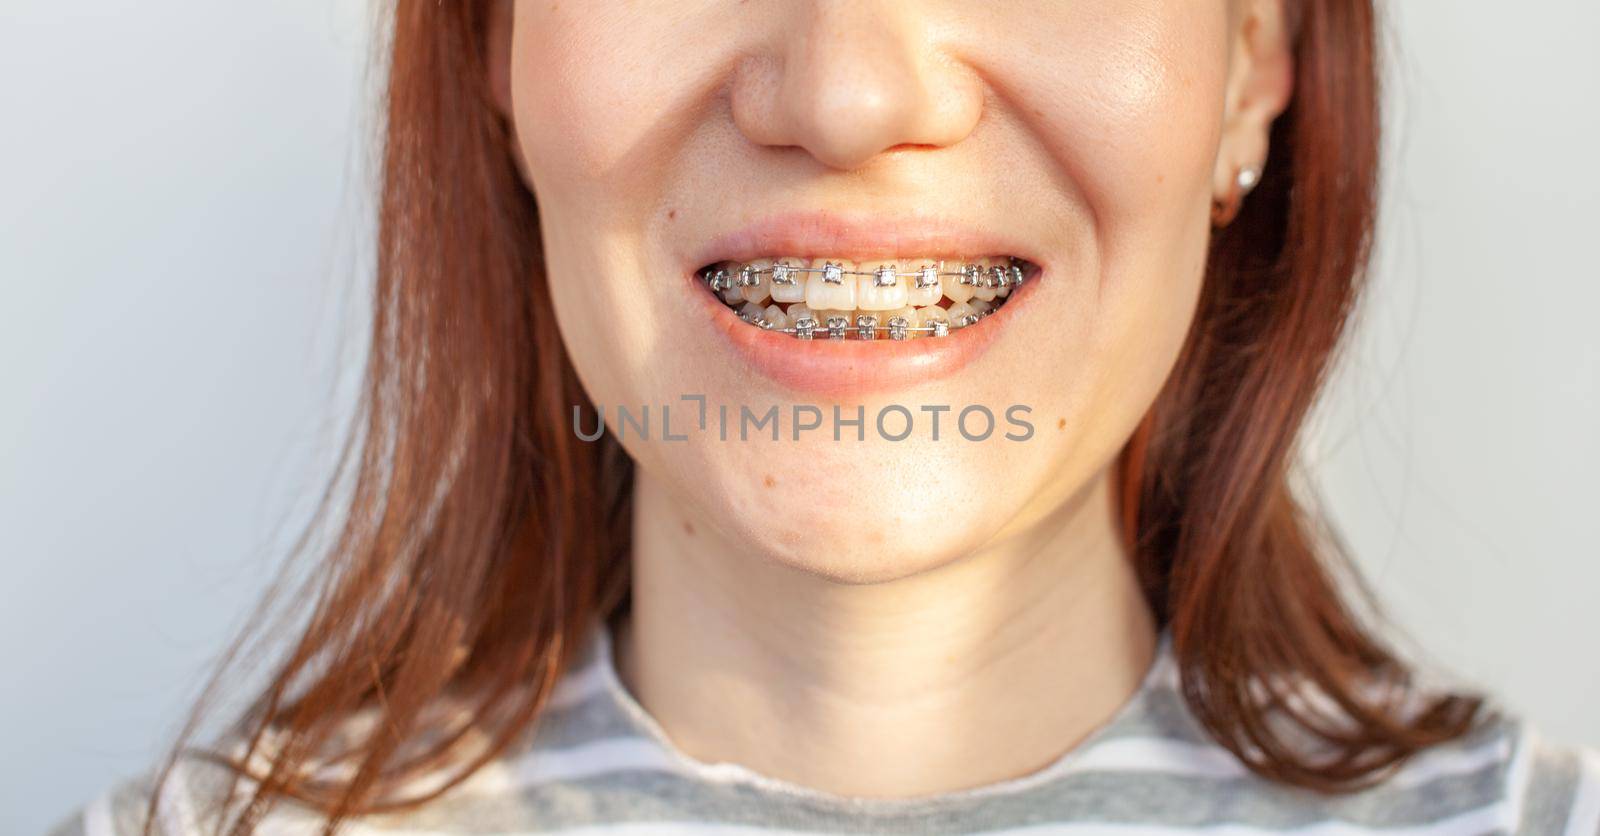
column 1161, row 669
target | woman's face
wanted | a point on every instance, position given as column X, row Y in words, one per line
column 1086, row 138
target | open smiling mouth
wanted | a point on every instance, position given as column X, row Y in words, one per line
column 837, row 298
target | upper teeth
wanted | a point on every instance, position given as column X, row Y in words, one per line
column 908, row 291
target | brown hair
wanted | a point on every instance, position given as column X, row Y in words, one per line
column 478, row 540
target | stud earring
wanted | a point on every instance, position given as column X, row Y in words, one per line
column 1225, row 209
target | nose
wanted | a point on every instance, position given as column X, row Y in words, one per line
column 847, row 80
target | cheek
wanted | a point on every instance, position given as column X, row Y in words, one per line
column 1130, row 96
column 1125, row 102
column 592, row 93
column 590, row 87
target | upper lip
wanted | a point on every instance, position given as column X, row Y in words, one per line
column 821, row 234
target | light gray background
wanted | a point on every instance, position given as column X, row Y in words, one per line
column 182, row 212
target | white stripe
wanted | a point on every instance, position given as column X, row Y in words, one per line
column 577, row 685
column 1150, row 754
column 1584, row 820
column 174, row 809
column 601, row 757
column 97, row 820
column 1444, row 762
column 1518, row 776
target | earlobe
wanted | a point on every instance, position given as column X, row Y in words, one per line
column 1260, row 84
column 497, row 53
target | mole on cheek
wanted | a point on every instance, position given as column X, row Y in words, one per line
column 688, row 528
column 1062, row 424
column 769, row 481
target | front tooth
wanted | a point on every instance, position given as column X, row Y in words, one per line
column 753, row 284
column 929, row 295
column 795, row 290
column 799, row 312
column 950, row 283
column 822, row 294
column 870, row 296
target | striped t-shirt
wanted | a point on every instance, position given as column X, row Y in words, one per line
column 598, row 763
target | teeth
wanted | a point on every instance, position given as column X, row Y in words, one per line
column 832, row 272
column 833, row 298
column 926, row 288
column 752, row 313
column 900, row 320
column 786, row 283
column 955, row 287
column 752, row 282
column 931, row 314
column 827, row 288
column 879, row 288
column 988, row 282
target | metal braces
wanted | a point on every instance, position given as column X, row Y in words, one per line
column 866, row 327
column 787, row 275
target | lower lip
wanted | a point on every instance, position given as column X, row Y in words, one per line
column 851, row 367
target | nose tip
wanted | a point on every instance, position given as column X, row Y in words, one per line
column 853, row 81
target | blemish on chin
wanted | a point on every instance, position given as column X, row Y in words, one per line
column 672, row 213
column 1062, row 424
column 769, row 481
column 688, row 528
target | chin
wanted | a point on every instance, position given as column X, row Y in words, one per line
column 885, row 515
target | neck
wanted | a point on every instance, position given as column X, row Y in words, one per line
column 983, row 669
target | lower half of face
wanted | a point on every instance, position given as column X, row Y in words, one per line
column 876, row 288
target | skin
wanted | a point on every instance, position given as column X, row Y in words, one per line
column 932, row 615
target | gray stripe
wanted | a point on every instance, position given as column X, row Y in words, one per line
column 596, row 718
column 1101, row 796
column 1110, row 797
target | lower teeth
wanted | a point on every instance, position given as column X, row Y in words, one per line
column 800, row 322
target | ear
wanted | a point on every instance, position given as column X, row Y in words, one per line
column 497, row 53
column 1260, row 83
